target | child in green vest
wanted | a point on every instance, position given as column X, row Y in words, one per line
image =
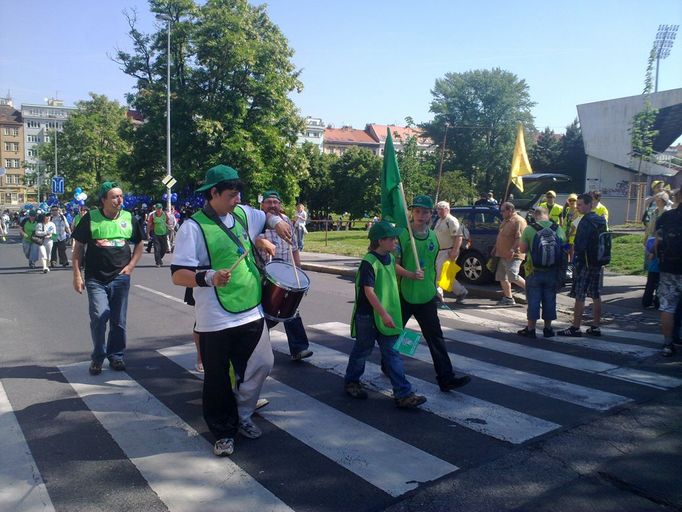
column 377, row 317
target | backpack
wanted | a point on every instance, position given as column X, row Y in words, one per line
column 599, row 249
column 547, row 250
column 671, row 243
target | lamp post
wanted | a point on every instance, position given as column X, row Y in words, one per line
column 168, row 19
column 665, row 37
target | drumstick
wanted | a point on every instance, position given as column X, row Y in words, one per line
column 244, row 253
column 291, row 253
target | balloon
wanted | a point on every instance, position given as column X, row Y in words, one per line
column 78, row 190
column 174, row 197
column 81, row 202
column 164, row 196
column 82, row 196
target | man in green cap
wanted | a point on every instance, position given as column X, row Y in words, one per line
column 214, row 256
column 419, row 298
column 157, row 223
column 106, row 233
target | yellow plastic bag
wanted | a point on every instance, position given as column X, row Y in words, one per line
column 448, row 274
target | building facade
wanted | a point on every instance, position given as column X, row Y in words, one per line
column 13, row 187
column 313, row 132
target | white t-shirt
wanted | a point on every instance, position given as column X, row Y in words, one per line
column 446, row 230
column 301, row 218
column 191, row 251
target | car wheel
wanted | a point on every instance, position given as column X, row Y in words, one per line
column 473, row 268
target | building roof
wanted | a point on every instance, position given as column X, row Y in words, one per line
column 135, row 116
column 399, row 133
column 347, row 135
column 10, row 116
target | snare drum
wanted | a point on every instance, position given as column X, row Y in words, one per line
column 281, row 293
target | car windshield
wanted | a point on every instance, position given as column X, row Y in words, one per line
column 534, row 187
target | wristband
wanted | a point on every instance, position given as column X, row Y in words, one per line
column 204, row 279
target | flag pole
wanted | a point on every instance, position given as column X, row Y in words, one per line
column 409, row 228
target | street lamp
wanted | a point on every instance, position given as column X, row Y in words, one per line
column 168, row 19
column 665, row 37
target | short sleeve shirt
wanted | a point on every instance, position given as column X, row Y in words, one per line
column 510, row 231
column 367, row 278
column 528, row 236
column 446, row 230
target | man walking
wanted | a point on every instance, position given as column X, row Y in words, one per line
column 509, row 254
column 450, row 236
column 62, row 235
column 109, row 263
column 296, row 335
column 587, row 271
column 157, row 223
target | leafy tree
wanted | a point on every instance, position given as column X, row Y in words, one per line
column 481, row 109
column 356, row 177
column 91, row 145
column 416, row 170
column 545, row 155
column 231, row 76
column 457, row 189
column 573, row 157
column 317, row 189
column 642, row 131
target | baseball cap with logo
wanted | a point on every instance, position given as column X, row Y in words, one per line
column 422, row 202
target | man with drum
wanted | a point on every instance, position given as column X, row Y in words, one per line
column 296, row 335
column 213, row 254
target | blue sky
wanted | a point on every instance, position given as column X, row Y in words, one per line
column 371, row 61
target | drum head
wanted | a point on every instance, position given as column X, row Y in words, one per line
column 282, row 274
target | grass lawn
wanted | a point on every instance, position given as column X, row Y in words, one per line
column 627, row 256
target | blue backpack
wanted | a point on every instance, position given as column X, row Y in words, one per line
column 547, row 251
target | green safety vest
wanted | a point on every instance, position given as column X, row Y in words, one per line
column 386, row 289
column 76, row 220
column 116, row 231
column 415, row 291
column 554, row 213
column 160, row 227
column 29, row 229
column 244, row 290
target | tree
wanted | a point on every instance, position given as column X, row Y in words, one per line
column 416, row 170
column 231, row 76
column 481, row 109
column 545, row 155
column 642, row 133
column 92, row 144
column 573, row 158
column 317, row 189
column 456, row 188
column 357, row 177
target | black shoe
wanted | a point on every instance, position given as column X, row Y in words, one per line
column 409, row 401
column 95, row 368
column 572, row 332
column 526, row 333
column 303, row 354
column 454, row 383
column 117, row 364
column 593, row 331
column 548, row 332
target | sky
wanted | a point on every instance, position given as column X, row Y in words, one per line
column 370, row 61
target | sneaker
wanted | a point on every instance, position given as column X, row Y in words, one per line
column 527, row 333
column 593, row 331
column 46, row 270
column 548, row 332
column 249, row 429
column 95, row 368
column 302, row 355
column 573, row 332
column 506, row 301
column 454, row 383
column 224, row 447
column 31, row 265
column 668, row 350
column 117, row 364
column 409, row 401
column 460, row 298
column 355, row 390
column 262, row 402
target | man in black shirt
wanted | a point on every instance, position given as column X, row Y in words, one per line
column 108, row 265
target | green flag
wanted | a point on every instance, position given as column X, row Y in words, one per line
column 392, row 206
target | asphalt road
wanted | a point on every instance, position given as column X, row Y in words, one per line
column 538, row 427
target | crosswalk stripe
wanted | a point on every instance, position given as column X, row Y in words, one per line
column 565, row 391
column 21, row 485
column 384, row 461
column 172, row 457
column 470, row 412
column 592, row 343
column 633, row 375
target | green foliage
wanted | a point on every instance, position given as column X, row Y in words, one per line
column 356, row 177
column 457, row 189
column 417, row 170
column 573, row 158
column 545, row 155
column 482, row 109
column 92, row 144
column 642, row 134
column 231, row 74
column 317, row 188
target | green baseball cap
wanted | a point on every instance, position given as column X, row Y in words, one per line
column 105, row 187
column 271, row 193
column 383, row 229
column 158, row 205
column 32, row 213
column 422, row 202
column 217, row 174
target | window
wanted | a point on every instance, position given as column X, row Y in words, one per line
column 32, row 138
column 11, row 146
column 31, row 152
column 46, row 138
column 12, row 163
column 33, row 124
column 11, row 131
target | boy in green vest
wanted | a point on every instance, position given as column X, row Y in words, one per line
column 420, row 297
column 377, row 317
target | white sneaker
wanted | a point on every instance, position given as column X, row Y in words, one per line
column 223, row 447
column 249, row 429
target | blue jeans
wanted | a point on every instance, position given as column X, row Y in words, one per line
column 296, row 335
column 108, row 303
column 541, row 289
column 366, row 334
column 300, row 233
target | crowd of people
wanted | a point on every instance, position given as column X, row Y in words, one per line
column 220, row 252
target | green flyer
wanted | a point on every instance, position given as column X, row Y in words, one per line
column 407, row 342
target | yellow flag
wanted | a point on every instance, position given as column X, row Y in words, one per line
column 520, row 165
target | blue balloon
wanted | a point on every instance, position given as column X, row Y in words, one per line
column 78, row 190
column 164, row 196
column 81, row 203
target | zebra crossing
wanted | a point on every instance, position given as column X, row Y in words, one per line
column 519, row 392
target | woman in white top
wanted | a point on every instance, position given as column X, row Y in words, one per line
column 47, row 230
column 299, row 225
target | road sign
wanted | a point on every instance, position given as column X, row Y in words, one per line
column 169, row 181
column 58, row 185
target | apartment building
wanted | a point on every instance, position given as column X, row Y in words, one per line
column 13, row 190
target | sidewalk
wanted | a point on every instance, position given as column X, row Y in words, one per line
column 621, row 296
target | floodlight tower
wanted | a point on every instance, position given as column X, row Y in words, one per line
column 665, row 37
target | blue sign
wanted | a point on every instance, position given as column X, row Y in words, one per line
column 58, row 185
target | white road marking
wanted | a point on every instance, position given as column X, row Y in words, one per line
column 160, row 294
